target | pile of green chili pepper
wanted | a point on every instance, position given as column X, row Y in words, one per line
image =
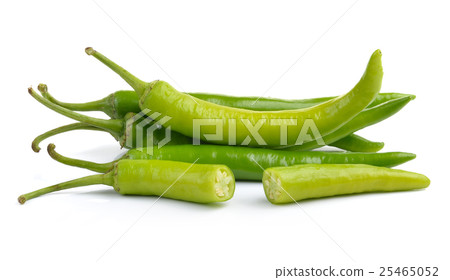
column 201, row 165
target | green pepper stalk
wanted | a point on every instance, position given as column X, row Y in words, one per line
column 123, row 130
column 299, row 182
column 247, row 163
column 201, row 183
column 118, row 104
column 70, row 127
column 159, row 96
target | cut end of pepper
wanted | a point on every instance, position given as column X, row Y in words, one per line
column 272, row 186
column 89, row 50
column 21, row 199
column 224, row 184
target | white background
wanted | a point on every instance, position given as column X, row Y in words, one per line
column 233, row 47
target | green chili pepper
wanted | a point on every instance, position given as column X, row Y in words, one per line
column 365, row 118
column 184, row 109
column 118, row 104
column 202, row 183
column 276, row 104
column 294, row 183
column 124, row 130
column 246, row 163
column 351, row 143
column 356, row 143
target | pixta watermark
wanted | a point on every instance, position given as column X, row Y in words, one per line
column 152, row 130
column 228, row 130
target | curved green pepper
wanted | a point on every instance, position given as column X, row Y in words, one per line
column 294, row 183
column 184, row 109
column 246, row 163
column 354, row 144
column 365, row 118
column 124, row 130
column 202, row 183
column 118, row 104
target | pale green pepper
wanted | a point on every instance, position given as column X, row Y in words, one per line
column 299, row 182
column 202, row 183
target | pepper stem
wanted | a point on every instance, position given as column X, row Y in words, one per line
column 98, row 105
column 93, row 166
column 70, row 127
column 106, row 179
column 139, row 86
column 115, row 127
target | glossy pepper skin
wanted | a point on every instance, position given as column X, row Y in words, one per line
column 353, row 143
column 356, row 143
column 177, row 180
column 124, row 130
column 246, row 163
column 201, row 183
column 365, row 118
column 159, row 96
column 342, row 138
column 275, row 104
column 295, row 183
column 118, row 104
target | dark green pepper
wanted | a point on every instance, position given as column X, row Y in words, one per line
column 365, row 118
column 246, row 163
